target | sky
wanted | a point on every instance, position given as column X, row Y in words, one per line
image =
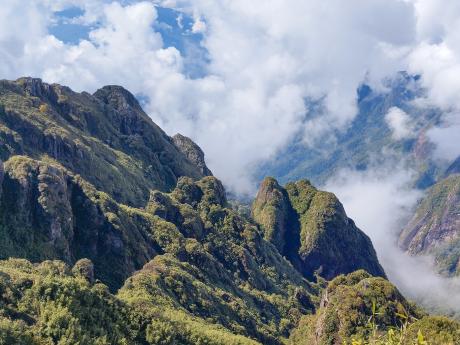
column 237, row 76
column 242, row 79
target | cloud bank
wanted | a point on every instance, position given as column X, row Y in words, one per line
column 379, row 200
column 264, row 61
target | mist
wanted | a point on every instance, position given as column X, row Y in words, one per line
column 381, row 201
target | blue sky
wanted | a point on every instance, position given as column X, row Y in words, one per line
column 237, row 83
column 174, row 26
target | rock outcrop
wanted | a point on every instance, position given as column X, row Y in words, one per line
column 192, row 151
column 46, row 212
column 272, row 209
column 312, row 230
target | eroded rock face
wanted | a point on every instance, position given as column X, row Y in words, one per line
column 192, row 151
column 313, row 231
column 435, row 226
column 48, row 213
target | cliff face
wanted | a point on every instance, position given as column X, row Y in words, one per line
column 47, row 212
column 105, row 137
column 435, row 227
column 193, row 152
column 312, row 230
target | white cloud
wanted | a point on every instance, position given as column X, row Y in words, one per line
column 379, row 201
column 436, row 58
column 447, row 139
column 400, row 123
column 265, row 58
column 199, row 26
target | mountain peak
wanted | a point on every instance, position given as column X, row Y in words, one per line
column 310, row 227
column 118, row 97
column 35, row 87
column 192, row 151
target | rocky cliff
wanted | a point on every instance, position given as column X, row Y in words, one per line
column 310, row 227
column 435, row 227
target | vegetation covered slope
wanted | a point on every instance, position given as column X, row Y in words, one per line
column 105, row 137
column 151, row 251
column 435, row 226
column 360, row 309
column 311, row 229
column 52, row 303
column 208, row 262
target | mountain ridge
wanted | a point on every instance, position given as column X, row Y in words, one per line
column 113, row 232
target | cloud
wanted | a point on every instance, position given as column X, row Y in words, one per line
column 199, row 26
column 436, row 58
column 264, row 59
column 263, row 65
column 447, row 141
column 380, row 202
column 400, row 123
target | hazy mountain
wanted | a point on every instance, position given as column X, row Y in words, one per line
column 368, row 140
column 435, row 226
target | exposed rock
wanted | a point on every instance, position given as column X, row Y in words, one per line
column 192, row 151
column 187, row 192
column 35, row 87
column 313, row 230
column 161, row 205
column 213, row 191
column 84, row 268
column 435, row 226
column 47, row 213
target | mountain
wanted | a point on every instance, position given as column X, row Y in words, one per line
column 435, row 226
column 310, row 227
column 106, row 138
column 368, row 140
column 112, row 232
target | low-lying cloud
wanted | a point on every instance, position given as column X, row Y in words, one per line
column 381, row 201
column 400, row 123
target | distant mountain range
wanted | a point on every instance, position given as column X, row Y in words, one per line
column 368, row 140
